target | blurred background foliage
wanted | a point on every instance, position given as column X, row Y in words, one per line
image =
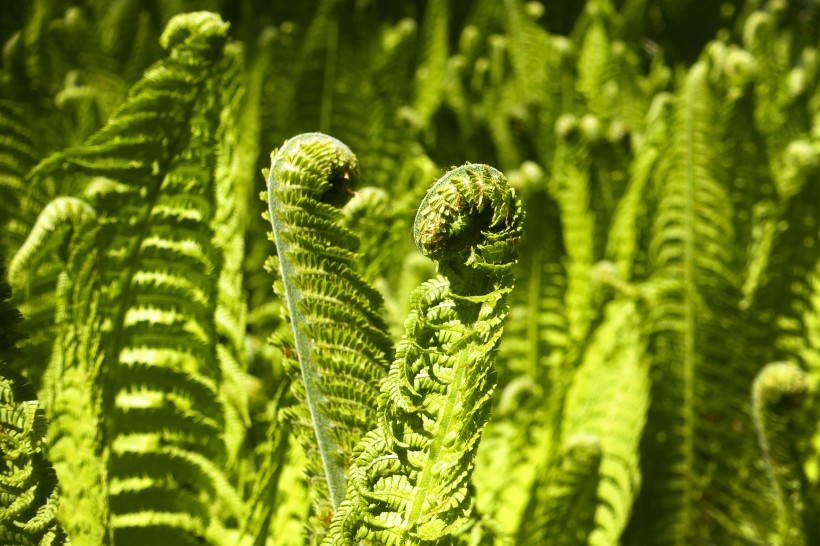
column 657, row 376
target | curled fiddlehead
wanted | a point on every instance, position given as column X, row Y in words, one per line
column 339, row 338
column 409, row 482
column 779, row 399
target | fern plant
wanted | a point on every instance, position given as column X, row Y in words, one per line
column 654, row 381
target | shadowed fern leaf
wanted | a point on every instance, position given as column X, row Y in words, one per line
column 696, row 445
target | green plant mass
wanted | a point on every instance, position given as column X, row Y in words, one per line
column 411, row 272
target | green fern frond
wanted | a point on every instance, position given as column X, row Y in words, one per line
column 339, row 337
column 152, row 333
column 537, row 341
column 61, row 213
column 778, row 290
column 73, row 385
column 608, row 398
column 753, row 190
column 778, row 395
column 567, row 498
column 410, row 477
column 18, row 154
column 533, row 368
column 38, row 266
column 630, row 226
column 434, row 36
column 28, row 486
column 776, row 118
column 570, row 188
column 698, row 441
column 594, row 63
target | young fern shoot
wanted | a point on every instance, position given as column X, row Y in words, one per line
column 410, row 479
column 340, row 339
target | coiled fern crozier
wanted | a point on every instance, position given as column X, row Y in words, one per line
column 340, row 344
column 409, row 482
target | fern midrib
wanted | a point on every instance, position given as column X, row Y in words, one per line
column 334, row 472
column 689, row 303
column 456, row 390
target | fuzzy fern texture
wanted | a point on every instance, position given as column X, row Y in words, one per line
column 522, row 273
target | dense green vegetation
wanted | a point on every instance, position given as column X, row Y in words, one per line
column 616, row 341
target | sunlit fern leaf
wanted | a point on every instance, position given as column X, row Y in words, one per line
column 536, row 338
column 542, row 78
column 272, row 451
column 39, row 71
column 384, row 135
column 73, row 386
column 502, row 106
column 292, row 506
column 567, row 499
column 92, row 85
column 608, row 398
column 410, row 476
column 28, row 486
column 482, row 530
column 778, row 394
column 339, row 345
column 371, row 216
column 20, row 204
column 38, row 266
column 235, row 163
column 159, row 269
column 533, row 368
column 594, row 63
column 308, row 98
column 698, row 441
column 128, row 34
column 526, row 37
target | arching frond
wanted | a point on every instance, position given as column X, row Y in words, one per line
column 147, row 339
column 608, row 399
